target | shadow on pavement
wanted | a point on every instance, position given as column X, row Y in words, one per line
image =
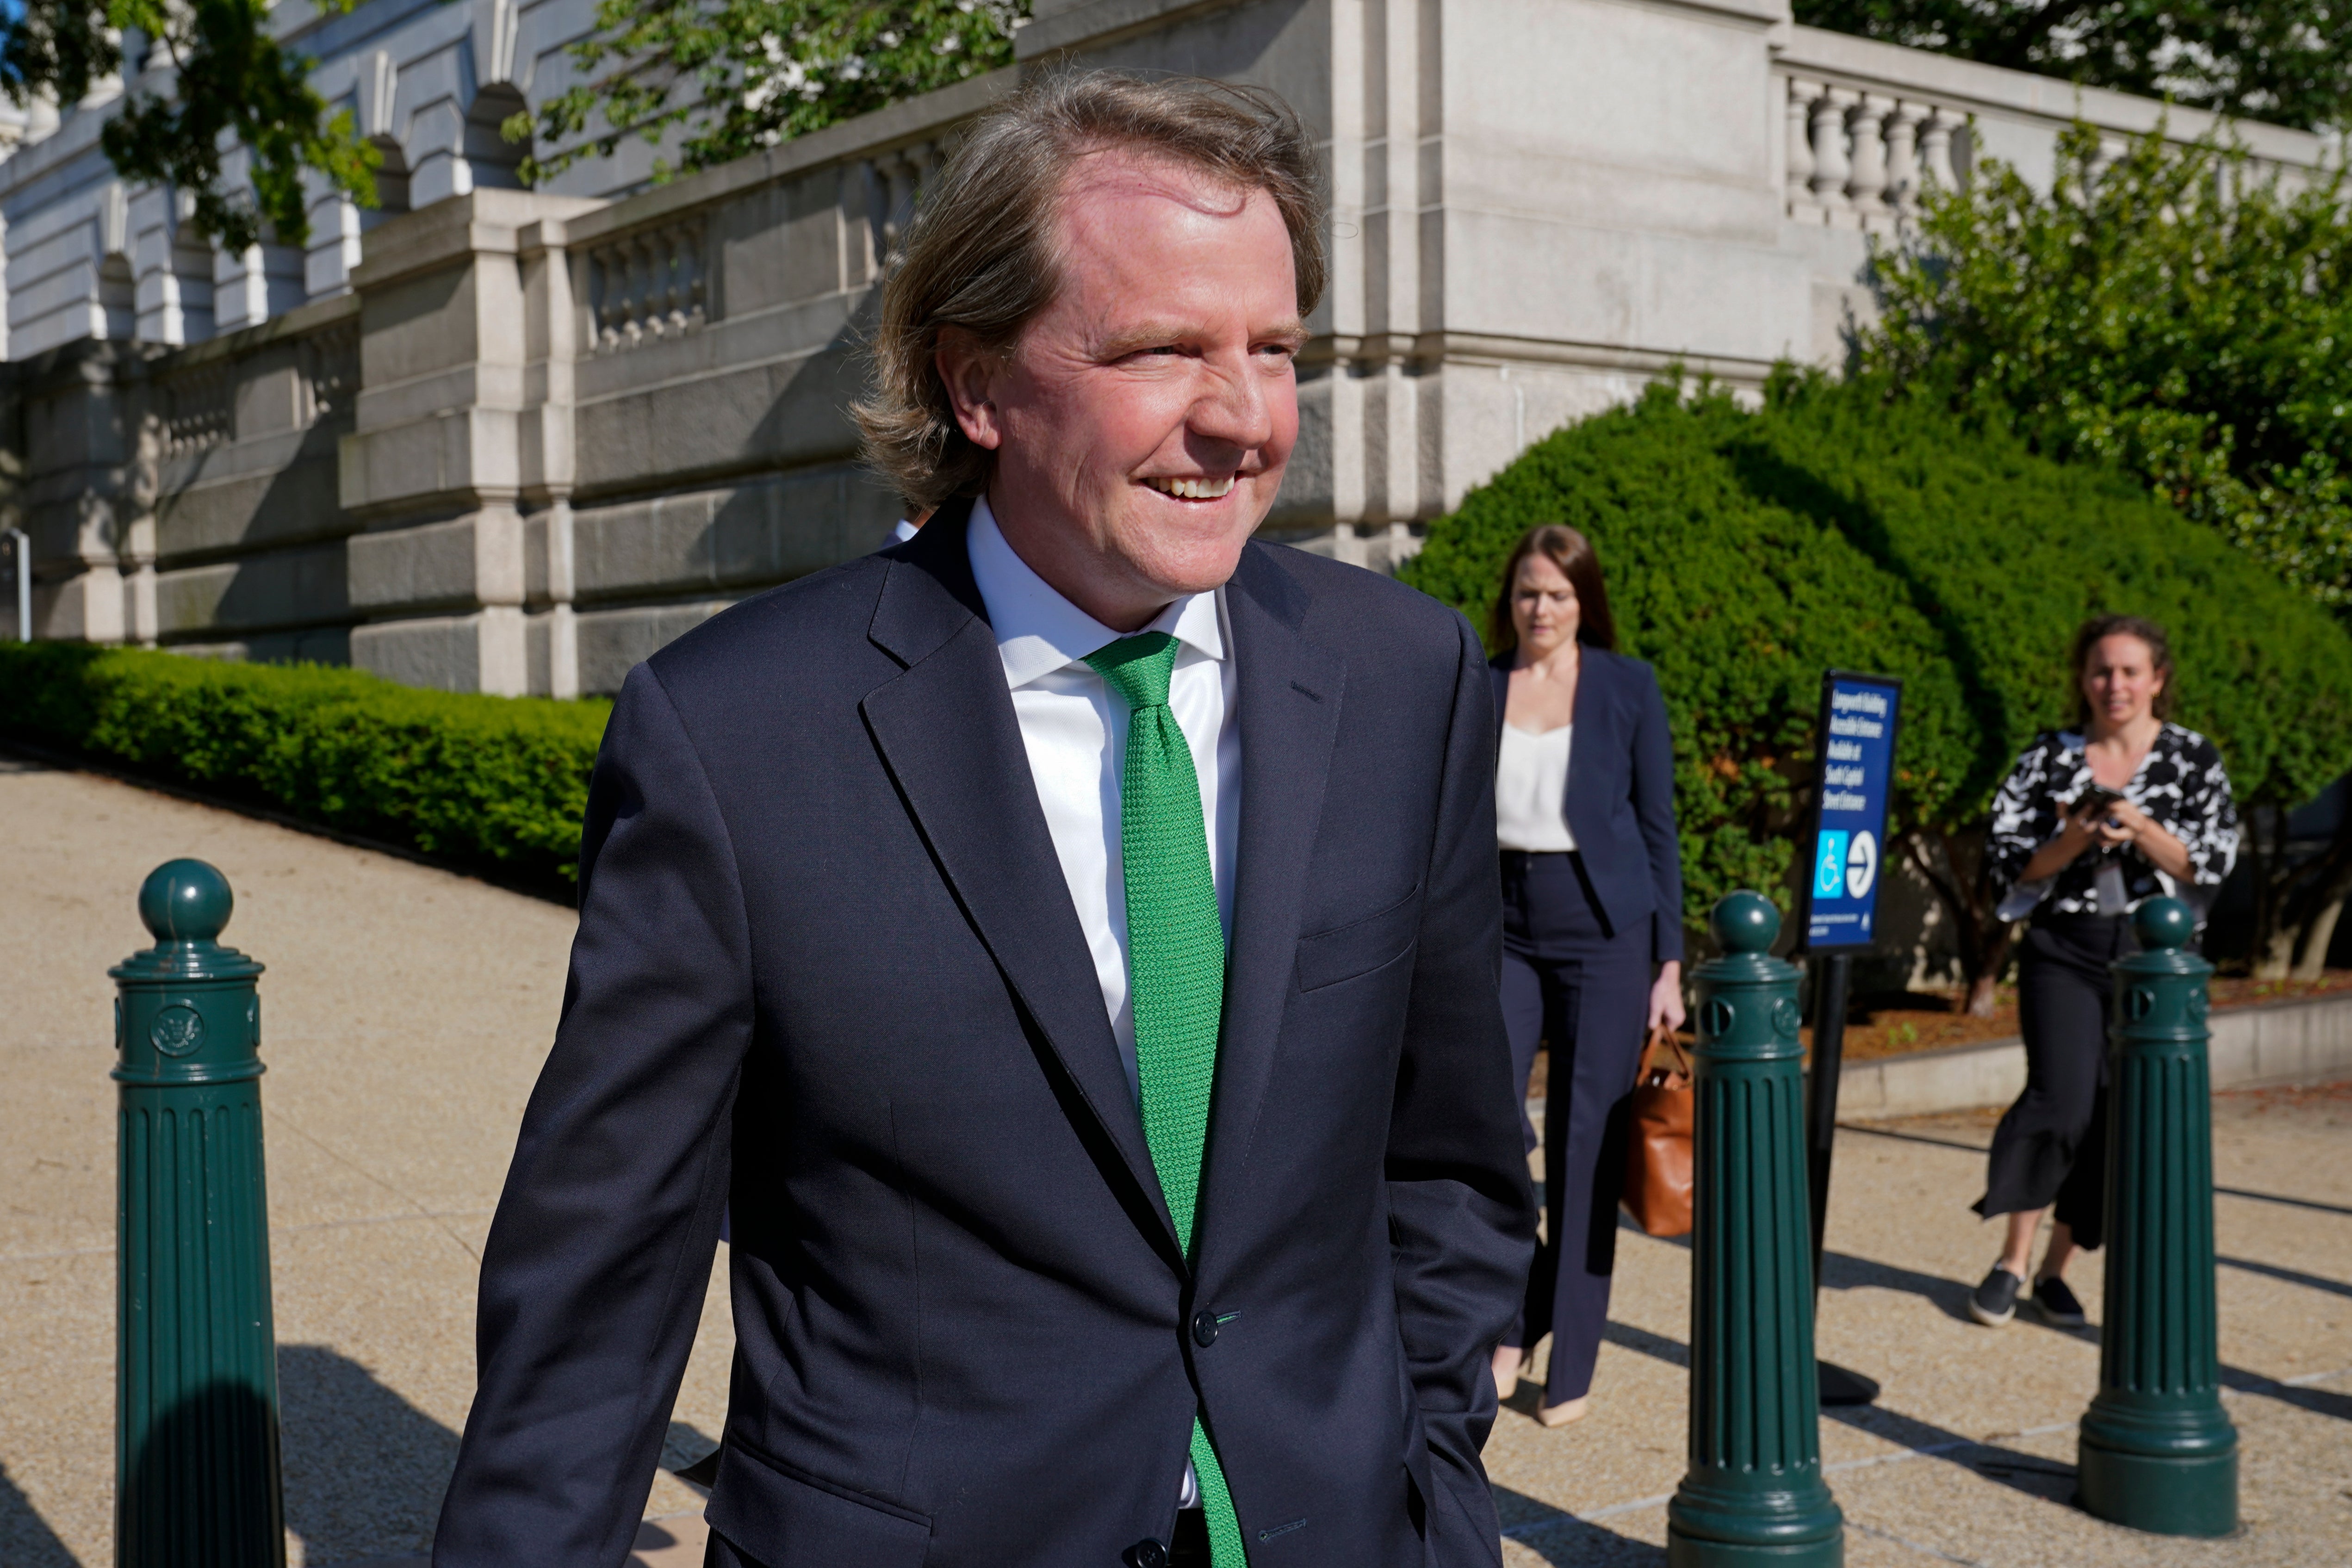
column 2318, row 1401
column 1559, row 1537
column 2292, row 1275
column 2029, row 1473
column 2310, row 1203
column 1845, row 1271
column 2024, row 1472
column 364, row 1469
column 26, row 1539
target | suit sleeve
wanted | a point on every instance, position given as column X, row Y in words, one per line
column 594, row 1279
column 1654, row 808
column 1461, row 1213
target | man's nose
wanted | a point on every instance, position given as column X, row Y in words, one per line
column 1234, row 410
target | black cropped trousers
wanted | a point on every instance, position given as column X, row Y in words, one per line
column 2052, row 1145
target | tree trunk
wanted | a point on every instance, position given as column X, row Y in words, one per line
column 2317, row 900
column 2311, row 957
column 1963, row 885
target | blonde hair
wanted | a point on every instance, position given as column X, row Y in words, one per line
column 980, row 255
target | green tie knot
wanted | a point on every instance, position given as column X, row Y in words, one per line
column 1138, row 668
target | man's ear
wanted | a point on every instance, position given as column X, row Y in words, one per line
column 969, row 372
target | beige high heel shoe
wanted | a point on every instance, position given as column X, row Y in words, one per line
column 1564, row 1414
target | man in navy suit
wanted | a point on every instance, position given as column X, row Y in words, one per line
column 1067, row 939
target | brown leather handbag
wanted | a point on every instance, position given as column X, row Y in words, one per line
column 1658, row 1151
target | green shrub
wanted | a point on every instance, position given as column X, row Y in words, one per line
column 2175, row 312
column 1840, row 527
column 495, row 782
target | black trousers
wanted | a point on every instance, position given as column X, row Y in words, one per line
column 1570, row 980
column 2052, row 1145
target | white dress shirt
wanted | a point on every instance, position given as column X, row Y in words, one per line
column 1075, row 731
column 1531, row 789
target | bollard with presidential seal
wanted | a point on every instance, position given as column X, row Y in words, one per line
column 1754, row 1494
column 2156, row 1452
column 196, row 1462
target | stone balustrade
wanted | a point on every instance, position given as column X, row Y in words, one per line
column 1869, row 128
column 649, row 284
column 1858, row 159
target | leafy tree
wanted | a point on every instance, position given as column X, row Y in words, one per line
column 229, row 79
column 740, row 75
column 2287, row 63
column 1851, row 526
column 2173, row 314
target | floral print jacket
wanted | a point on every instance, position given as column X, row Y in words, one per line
column 2180, row 784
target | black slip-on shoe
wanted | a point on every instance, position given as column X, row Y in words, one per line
column 1994, row 1302
column 2057, row 1304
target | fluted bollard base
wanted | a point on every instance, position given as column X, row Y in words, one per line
column 1754, row 1494
column 2167, row 1477
column 1798, row 1529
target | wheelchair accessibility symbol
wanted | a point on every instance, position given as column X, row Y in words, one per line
column 1845, row 865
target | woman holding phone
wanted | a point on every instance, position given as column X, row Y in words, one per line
column 2124, row 807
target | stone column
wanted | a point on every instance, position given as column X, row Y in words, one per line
column 434, row 473
column 552, row 320
column 1867, row 184
column 1902, row 157
column 1801, row 94
column 1936, row 150
column 1833, row 166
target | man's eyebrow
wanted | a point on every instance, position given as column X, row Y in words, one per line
column 1151, row 334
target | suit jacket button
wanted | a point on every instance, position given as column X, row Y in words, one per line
column 1205, row 1329
column 1146, row 1554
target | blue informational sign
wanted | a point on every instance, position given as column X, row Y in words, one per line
column 1850, row 791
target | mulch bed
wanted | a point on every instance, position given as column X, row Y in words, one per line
column 1900, row 1023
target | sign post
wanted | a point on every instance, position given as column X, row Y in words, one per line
column 1852, row 781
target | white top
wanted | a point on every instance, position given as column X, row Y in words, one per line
column 1531, row 789
column 903, row 532
column 1075, row 731
column 1076, row 734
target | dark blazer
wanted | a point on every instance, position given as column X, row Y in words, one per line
column 1621, row 793
column 828, row 968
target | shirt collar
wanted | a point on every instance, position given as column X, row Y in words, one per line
column 1039, row 631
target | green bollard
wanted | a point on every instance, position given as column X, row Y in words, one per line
column 195, row 1428
column 2156, row 1451
column 1754, row 1494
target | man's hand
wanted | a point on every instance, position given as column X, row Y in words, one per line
column 1666, row 996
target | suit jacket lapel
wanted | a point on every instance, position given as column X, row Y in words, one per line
column 1288, row 691
column 947, row 730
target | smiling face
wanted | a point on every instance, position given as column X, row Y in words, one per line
column 1545, row 610
column 2120, row 680
column 1142, row 422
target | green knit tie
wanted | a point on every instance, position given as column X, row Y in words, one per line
column 1175, row 972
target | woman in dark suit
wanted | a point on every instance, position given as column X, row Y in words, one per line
column 1593, row 927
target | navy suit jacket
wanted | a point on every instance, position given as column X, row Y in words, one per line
column 1621, row 793
column 828, row 969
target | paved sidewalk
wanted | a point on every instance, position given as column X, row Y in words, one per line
column 1968, row 1455
column 407, row 1012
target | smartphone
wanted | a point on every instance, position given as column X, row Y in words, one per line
column 2094, row 802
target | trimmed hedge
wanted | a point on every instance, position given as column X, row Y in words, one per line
column 1747, row 551
column 498, row 783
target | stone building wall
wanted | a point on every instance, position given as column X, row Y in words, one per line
column 513, row 441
